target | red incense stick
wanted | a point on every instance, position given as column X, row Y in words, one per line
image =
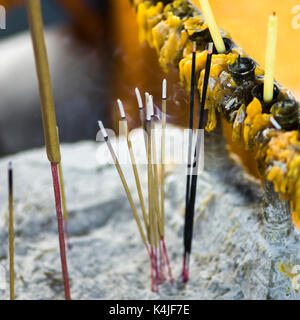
column 60, row 227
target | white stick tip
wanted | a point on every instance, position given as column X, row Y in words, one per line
column 103, row 130
column 147, row 96
column 139, row 98
column 275, row 124
column 164, row 89
column 121, row 108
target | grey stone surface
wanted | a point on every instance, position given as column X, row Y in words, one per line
column 232, row 258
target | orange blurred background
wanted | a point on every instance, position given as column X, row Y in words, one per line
column 247, row 20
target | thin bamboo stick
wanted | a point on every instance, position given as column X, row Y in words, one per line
column 134, row 167
column 142, row 114
column 162, row 159
column 11, row 233
column 63, row 199
column 162, row 179
column 150, row 195
column 155, row 168
column 126, row 188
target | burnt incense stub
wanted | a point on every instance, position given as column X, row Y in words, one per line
column 243, row 69
column 229, row 44
column 286, row 113
column 201, row 35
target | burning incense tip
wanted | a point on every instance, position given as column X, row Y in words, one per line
column 121, row 108
column 103, row 130
column 139, row 98
column 211, row 48
column 194, row 46
column 164, row 90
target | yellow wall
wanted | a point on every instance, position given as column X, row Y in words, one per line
column 247, row 20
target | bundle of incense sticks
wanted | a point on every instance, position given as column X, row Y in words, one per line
column 192, row 173
column 152, row 230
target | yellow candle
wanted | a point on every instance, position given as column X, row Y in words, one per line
column 270, row 58
column 213, row 27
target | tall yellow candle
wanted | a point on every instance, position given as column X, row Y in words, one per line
column 213, row 27
column 270, row 58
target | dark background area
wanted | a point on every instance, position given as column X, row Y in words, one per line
column 79, row 72
column 16, row 19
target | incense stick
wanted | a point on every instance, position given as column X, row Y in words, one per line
column 142, row 115
column 158, row 225
column 150, row 194
column 34, row 14
column 162, row 180
column 134, row 167
column 45, row 87
column 11, row 233
column 191, row 205
column 64, row 202
column 155, row 166
column 153, row 223
column 122, row 177
column 163, row 150
column 190, row 143
column 162, row 169
column 54, row 168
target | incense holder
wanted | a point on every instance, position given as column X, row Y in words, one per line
column 286, row 113
column 228, row 45
column 243, row 69
column 258, row 92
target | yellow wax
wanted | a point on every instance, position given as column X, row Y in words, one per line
column 212, row 25
column 270, row 58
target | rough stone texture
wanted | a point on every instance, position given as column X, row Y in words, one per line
column 231, row 257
